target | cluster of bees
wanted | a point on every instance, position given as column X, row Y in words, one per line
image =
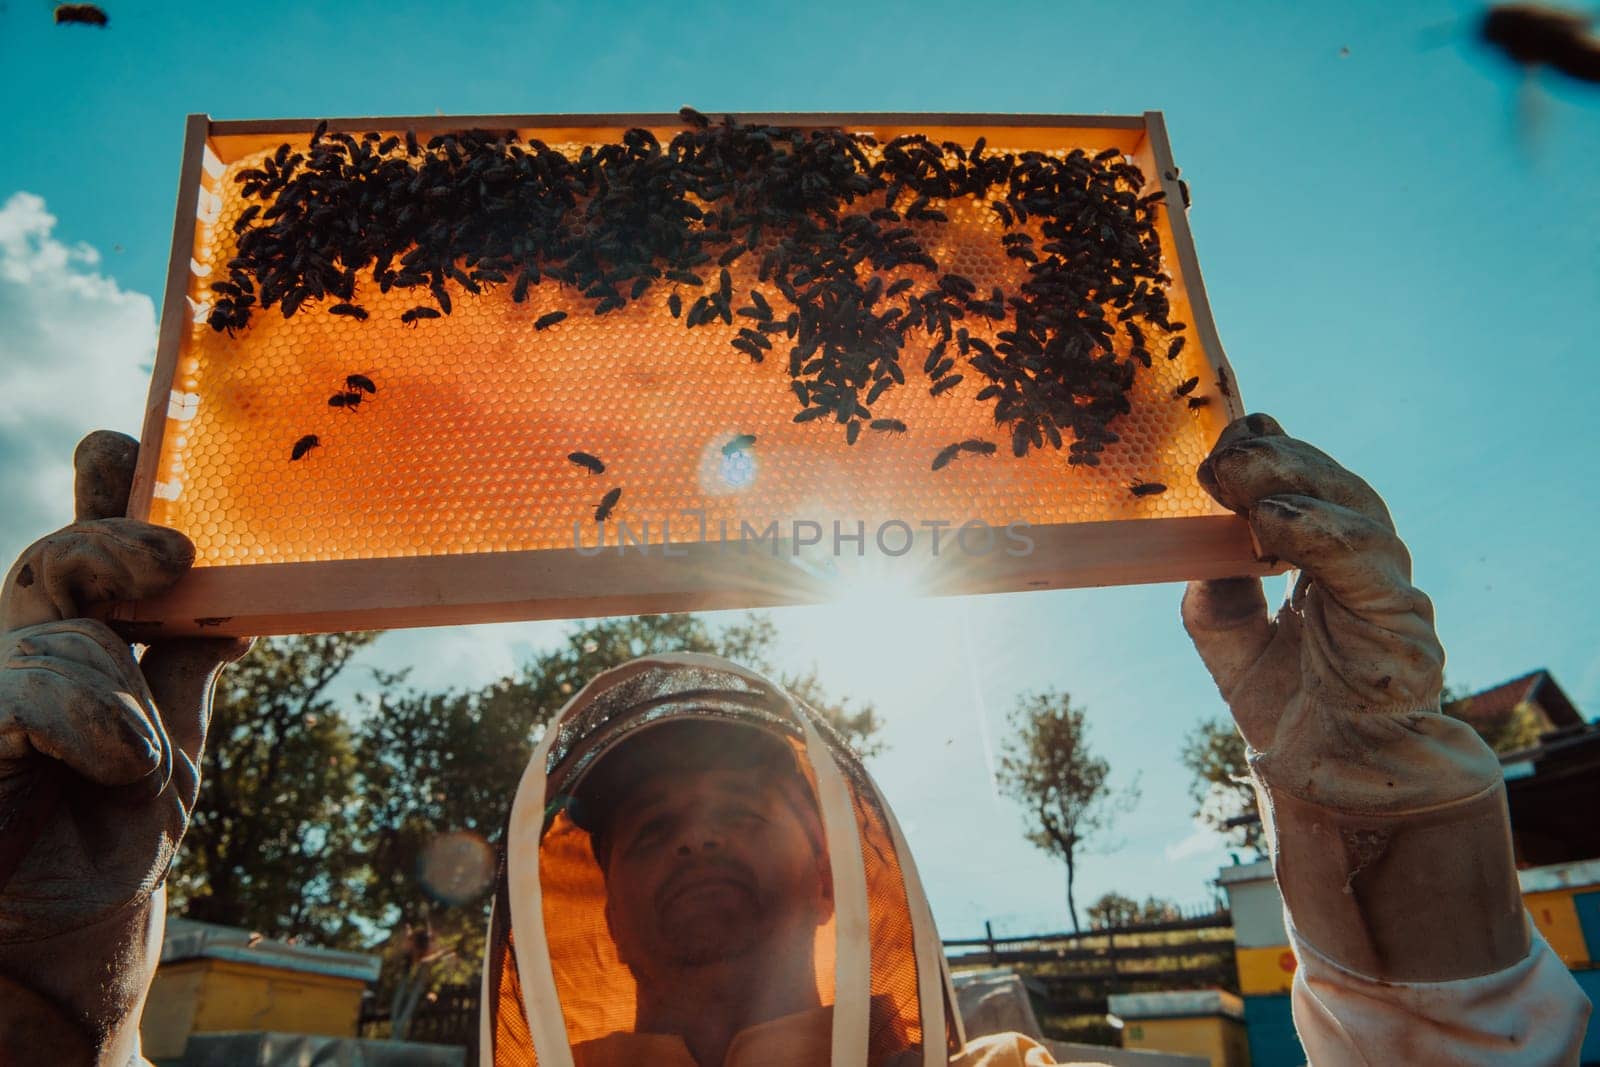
column 825, row 220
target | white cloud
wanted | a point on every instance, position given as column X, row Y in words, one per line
column 75, row 349
column 1202, row 840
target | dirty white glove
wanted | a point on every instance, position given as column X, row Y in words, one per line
column 99, row 770
column 1388, row 821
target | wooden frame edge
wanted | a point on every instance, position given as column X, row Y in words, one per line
column 1188, row 259
column 564, row 583
column 174, row 314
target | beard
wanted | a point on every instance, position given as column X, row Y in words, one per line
column 713, row 923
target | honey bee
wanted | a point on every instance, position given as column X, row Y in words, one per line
column 350, row 401
column 693, row 117
column 1198, row 402
column 607, row 504
column 888, row 425
column 982, row 448
column 304, row 446
column 1186, row 388
column 592, row 464
column 360, row 383
column 739, row 444
column 544, row 322
column 1146, row 488
column 1223, row 385
column 1176, row 347
column 410, row 318
column 945, row 455
column 354, row 311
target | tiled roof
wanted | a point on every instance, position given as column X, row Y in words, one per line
column 1492, row 705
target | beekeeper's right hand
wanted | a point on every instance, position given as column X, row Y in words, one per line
column 99, row 770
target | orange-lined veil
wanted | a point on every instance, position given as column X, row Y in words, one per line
column 552, row 980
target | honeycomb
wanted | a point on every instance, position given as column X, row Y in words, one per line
column 464, row 446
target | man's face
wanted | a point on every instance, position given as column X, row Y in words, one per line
column 708, row 866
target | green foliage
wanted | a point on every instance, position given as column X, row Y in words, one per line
column 1048, row 768
column 274, row 844
column 1221, row 790
column 1113, row 911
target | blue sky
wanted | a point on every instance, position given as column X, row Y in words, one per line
column 1399, row 243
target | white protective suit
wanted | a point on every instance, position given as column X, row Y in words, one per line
column 555, row 994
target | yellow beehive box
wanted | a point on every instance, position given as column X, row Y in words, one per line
column 213, row 979
column 396, row 354
column 1207, row 1022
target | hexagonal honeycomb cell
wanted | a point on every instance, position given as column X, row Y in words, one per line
column 463, row 446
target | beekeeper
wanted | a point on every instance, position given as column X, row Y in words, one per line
column 699, row 872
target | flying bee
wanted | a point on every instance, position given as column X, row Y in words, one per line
column 888, row 425
column 739, row 444
column 304, row 446
column 350, row 401
column 1198, row 402
column 544, row 322
column 1530, row 35
column 1186, row 388
column 607, row 504
column 1146, row 488
column 411, row 317
column 360, row 383
column 982, row 448
column 82, row 14
column 354, row 311
column 945, row 455
column 592, row 464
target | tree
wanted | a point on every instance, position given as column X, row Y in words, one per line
column 273, row 842
column 1114, row 911
column 1048, row 768
column 1224, row 797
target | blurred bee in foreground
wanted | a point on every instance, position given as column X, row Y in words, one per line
column 1532, row 35
column 81, row 15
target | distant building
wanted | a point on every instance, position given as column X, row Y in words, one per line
column 1552, row 775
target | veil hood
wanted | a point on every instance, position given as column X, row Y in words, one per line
column 552, row 982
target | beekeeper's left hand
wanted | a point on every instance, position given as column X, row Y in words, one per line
column 99, row 770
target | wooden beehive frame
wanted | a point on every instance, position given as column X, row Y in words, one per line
column 486, row 587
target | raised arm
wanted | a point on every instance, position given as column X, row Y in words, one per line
column 1387, row 819
column 99, row 770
